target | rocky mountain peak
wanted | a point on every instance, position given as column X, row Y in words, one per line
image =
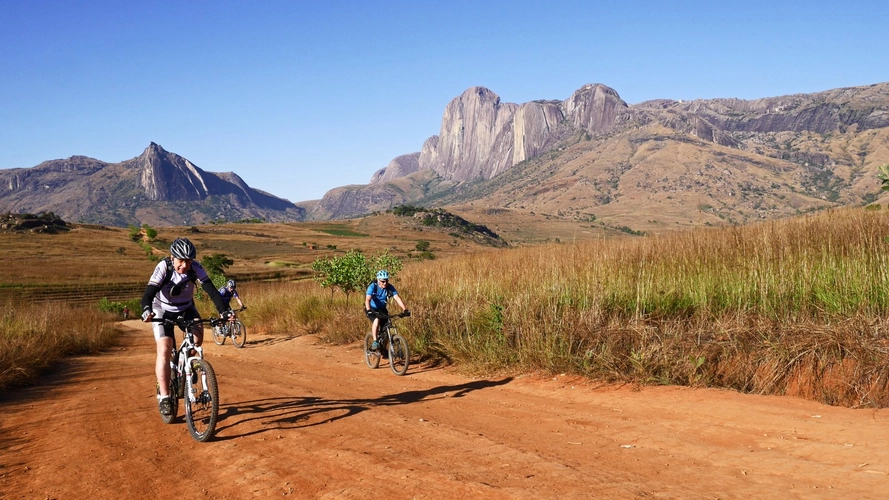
column 167, row 176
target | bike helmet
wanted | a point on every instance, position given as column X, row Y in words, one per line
column 231, row 284
column 383, row 275
column 183, row 249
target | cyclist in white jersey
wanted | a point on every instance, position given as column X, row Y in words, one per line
column 170, row 295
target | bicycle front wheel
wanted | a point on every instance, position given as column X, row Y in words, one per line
column 219, row 334
column 371, row 357
column 238, row 333
column 201, row 400
column 399, row 355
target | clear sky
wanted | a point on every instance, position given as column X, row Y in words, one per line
column 301, row 96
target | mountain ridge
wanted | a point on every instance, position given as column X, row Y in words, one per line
column 726, row 160
column 652, row 166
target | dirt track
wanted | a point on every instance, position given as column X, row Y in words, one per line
column 303, row 419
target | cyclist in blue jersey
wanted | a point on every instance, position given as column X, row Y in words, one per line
column 229, row 292
column 170, row 294
column 376, row 301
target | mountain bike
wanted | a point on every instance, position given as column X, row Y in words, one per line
column 192, row 380
column 392, row 345
column 234, row 329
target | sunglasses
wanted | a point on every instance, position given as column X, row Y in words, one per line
column 384, row 281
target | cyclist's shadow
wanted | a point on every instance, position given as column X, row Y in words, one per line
column 297, row 412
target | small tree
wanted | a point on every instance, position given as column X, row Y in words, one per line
column 150, row 232
column 352, row 271
column 343, row 272
column 216, row 263
column 884, row 176
column 390, row 263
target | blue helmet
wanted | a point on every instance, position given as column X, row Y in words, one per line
column 231, row 284
column 383, row 275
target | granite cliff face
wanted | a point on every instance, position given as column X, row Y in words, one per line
column 401, row 166
column 482, row 138
column 156, row 187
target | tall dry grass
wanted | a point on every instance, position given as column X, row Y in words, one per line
column 795, row 306
column 33, row 337
column 302, row 307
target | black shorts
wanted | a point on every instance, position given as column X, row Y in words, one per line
column 190, row 313
column 379, row 311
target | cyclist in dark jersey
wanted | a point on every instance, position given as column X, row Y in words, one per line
column 229, row 292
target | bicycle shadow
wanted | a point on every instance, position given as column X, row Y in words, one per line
column 270, row 341
column 300, row 412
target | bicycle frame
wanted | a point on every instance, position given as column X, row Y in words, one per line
column 203, row 393
column 223, row 329
column 393, row 345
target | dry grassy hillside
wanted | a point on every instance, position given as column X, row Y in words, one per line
column 652, row 179
column 90, row 254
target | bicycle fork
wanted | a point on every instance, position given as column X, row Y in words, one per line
column 190, row 380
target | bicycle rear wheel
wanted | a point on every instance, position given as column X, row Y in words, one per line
column 238, row 333
column 399, row 355
column 372, row 358
column 201, row 400
column 219, row 334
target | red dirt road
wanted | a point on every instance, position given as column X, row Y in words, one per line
column 302, row 419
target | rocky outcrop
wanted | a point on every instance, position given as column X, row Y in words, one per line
column 475, row 137
column 167, row 177
column 401, row 166
column 594, row 108
column 481, row 136
column 534, row 126
column 822, row 112
column 355, row 201
column 47, row 223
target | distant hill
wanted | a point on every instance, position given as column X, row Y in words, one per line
column 156, row 188
column 651, row 166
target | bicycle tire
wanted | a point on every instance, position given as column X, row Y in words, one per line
column 238, row 333
column 399, row 355
column 174, row 402
column 372, row 358
column 201, row 414
column 218, row 335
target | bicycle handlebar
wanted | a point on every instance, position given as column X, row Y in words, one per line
column 182, row 322
column 403, row 314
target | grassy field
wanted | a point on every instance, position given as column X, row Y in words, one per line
column 796, row 306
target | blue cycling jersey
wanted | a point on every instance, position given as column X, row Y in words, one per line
column 379, row 295
column 227, row 296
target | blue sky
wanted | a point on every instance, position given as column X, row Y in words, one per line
column 299, row 97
